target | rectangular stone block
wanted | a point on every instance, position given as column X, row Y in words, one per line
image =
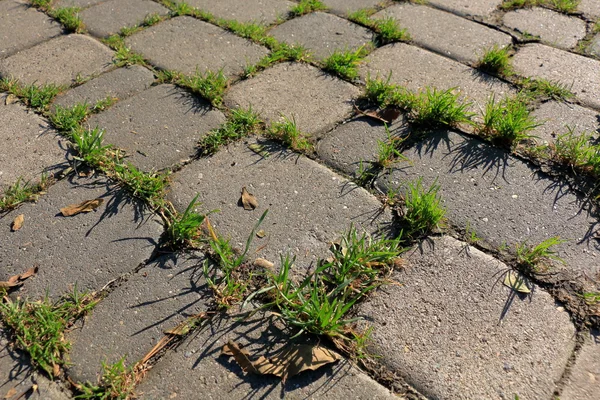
column 258, row 11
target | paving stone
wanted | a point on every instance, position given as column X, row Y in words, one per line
column 504, row 200
column 446, row 33
column 186, row 44
column 552, row 27
column 108, row 18
column 352, row 142
column 159, row 127
column 417, row 69
column 594, row 46
column 557, row 116
column 87, row 250
column 133, row 318
column 197, row 366
column 120, row 83
column 22, row 26
column 480, row 8
column 322, row 34
column 590, row 8
column 75, row 3
column 578, row 72
column 28, row 145
column 58, row 61
column 441, row 329
column 349, row 6
column 584, row 380
column 308, row 204
column 315, row 99
column 259, row 11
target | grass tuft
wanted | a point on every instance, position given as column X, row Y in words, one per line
column 37, row 97
column 20, row 192
column 387, row 29
column 423, row 210
column 507, row 122
column 496, row 61
column 307, row 6
column 210, row 85
column 344, row 63
column 279, row 53
column 66, row 119
column 579, row 152
column 287, row 131
column 539, row 258
column 434, row 109
column 241, row 123
column 124, row 56
column 184, row 229
column 69, row 18
column 546, row 89
column 116, row 383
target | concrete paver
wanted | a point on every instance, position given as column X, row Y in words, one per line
column 480, row 8
column 75, row 3
column 504, row 200
column 59, row 61
column 109, row 17
column 446, row 33
column 259, row 11
column 589, row 8
column 349, row 6
column 558, row 117
column 159, row 127
column 323, row 34
column 22, row 26
column 186, row 44
column 198, row 366
column 575, row 71
column 308, row 204
column 120, row 83
column 275, row 93
column 87, row 250
column 441, row 328
column 594, row 46
column 28, row 146
column 584, row 377
column 552, row 27
column 133, row 318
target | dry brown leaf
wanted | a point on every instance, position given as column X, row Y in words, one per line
column 34, row 387
column 290, row 361
column 11, row 98
column 516, row 282
column 18, row 222
column 86, row 206
column 248, row 200
column 29, row 273
column 11, row 392
column 56, row 370
column 17, row 280
column 263, row 263
column 387, row 115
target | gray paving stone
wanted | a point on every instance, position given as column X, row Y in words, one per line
column 120, row 83
column 504, row 200
column 28, row 145
column 590, row 8
column 186, row 44
column 197, row 366
column 584, row 379
column 22, row 26
column 108, row 18
column 58, row 61
column 315, row 99
column 417, row 69
column 557, row 116
column 441, row 328
column 553, row 28
column 446, row 33
column 308, row 204
column 594, row 46
column 259, row 11
column 480, row 8
column 159, row 127
column 322, row 34
column 87, row 250
column 133, row 318
column 349, row 6
column 538, row 60
column 75, row 3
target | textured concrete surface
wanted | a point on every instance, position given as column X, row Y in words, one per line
column 445, row 33
column 75, row 3
column 22, row 26
column 504, row 200
column 552, row 27
column 349, row 6
column 87, row 250
column 186, row 44
column 275, row 93
column 59, row 61
column 308, row 204
column 198, row 366
column 480, row 8
column 594, row 46
column 590, row 8
column 323, row 34
column 259, row 11
column 133, row 318
column 558, row 117
column 462, row 348
column 584, row 377
column 575, row 71
column 418, row 69
column 159, row 127
column 28, row 146
column 120, row 83
column 109, row 17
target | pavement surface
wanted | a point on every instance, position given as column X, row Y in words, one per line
column 448, row 328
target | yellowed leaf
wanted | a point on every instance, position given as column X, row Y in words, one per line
column 240, row 355
column 516, row 282
column 56, row 370
column 261, row 233
column 11, row 98
column 11, row 392
column 248, row 200
column 18, row 222
column 86, row 206
column 34, row 387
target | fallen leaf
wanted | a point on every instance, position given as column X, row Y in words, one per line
column 11, row 98
column 387, row 115
column 516, row 282
column 17, row 280
column 259, row 149
column 56, row 370
column 18, row 222
column 11, row 392
column 261, row 233
column 266, row 264
column 290, row 361
column 34, row 387
column 248, row 200
column 29, row 273
column 86, row 206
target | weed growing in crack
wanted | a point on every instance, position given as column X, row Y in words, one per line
column 307, row 6
column 149, row 187
column 434, row 108
column 184, row 229
column 116, row 383
column 379, row 91
column 591, row 298
column 344, row 63
column 545, row 89
column 20, row 192
column 87, row 143
column 210, row 85
column 388, row 152
column 564, row 6
column 69, row 18
column 124, row 56
column 279, row 53
column 387, row 29
column 241, row 123
column 41, row 4
column 423, row 211
column 37, row 97
column 66, row 119
column 579, row 152
column 507, row 122
column 495, row 60
column 103, row 104
column 287, row 131
column 539, row 258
